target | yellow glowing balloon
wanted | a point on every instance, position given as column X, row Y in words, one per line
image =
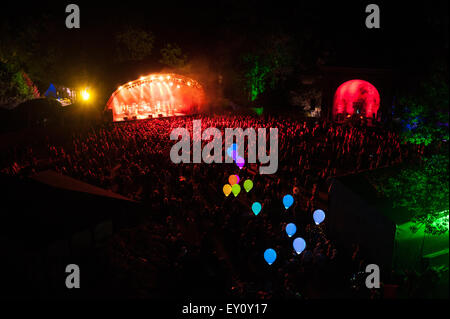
column 226, row 189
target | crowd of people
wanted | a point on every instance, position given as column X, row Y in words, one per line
column 203, row 242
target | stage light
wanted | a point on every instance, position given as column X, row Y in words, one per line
column 85, row 95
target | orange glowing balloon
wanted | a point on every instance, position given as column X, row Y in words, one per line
column 233, row 179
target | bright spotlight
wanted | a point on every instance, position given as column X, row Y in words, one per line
column 85, row 95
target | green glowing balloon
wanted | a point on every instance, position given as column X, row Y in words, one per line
column 235, row 189
column 248, row 185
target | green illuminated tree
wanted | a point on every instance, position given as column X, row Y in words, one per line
column 423, row 191
column 256, row 76
column 266, row 65
column 424, row 113
column 29, row 45
column 15, row 86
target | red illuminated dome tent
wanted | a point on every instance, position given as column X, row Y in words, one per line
column 352, row 92
column 156, row 95
column 356, row 99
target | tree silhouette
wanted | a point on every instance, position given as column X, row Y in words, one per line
column 134, row 44
column 172, row 56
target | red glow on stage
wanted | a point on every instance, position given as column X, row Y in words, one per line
column 356, row 98
column 155, row 95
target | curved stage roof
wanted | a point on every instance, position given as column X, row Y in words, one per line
column 156, row 95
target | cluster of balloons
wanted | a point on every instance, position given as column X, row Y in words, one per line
column 299, row 243
column 228, row 189
column 232, row 152
column 234, row 187
column 270, row 254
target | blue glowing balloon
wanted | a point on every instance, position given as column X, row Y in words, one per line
column 291, row 229
column 232, row 151
column 299, row 245
column 256, row 208
column 270, row 255
column 288, row 200
column 319, row 216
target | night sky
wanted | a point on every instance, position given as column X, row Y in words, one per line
column 410, row 36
